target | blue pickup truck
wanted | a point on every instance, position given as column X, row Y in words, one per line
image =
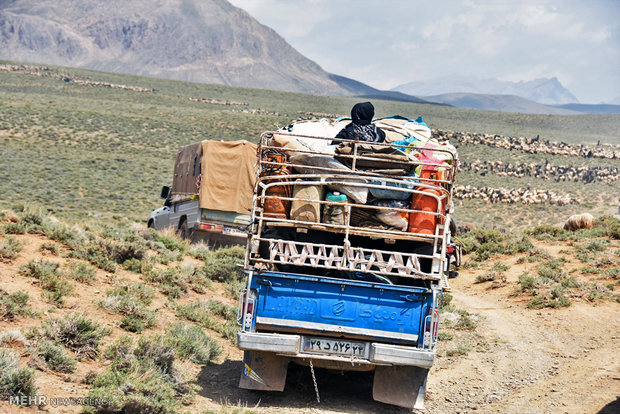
column 348, row 253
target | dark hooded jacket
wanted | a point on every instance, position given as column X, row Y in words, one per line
column 361, row 128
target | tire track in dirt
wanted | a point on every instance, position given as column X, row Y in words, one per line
column 537, row 361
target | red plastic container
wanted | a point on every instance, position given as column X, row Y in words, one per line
column 424, row 223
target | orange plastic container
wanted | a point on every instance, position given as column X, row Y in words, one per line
column 424, row 223
column 276, row 207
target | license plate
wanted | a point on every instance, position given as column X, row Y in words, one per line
column 333, row 346
column 232, row 231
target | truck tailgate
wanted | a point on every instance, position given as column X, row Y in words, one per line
column 339, row 307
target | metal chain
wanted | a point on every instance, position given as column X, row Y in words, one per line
column 316, row 387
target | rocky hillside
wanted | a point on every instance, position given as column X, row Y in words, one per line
column 207, row 41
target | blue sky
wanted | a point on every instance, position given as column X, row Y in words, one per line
column 391, row 42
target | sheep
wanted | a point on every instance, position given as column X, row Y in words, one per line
column 579, row 221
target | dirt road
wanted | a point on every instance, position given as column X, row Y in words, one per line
column 522, row 361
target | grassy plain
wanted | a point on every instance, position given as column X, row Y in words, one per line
column 83, row 151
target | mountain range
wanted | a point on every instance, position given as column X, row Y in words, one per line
column 212, row 41
column 207, row 41
column 547, row 91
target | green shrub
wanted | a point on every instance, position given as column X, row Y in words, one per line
column 9, row 249
column 548, row 232
column 500, row 267
column 465, row 321
column 233, row 288
column 444, row 336
column 131, row 301
column 54, row 287
column 73, row 239
column 527, row 282
column 444, row 300
column 460, row 350
column 141, row 378
column 596, row 246
column 49, row 248
column 608, row 226
column 16, row 228
column 138, row 321
column 76, row 332
column 82, row 272
column 192, row 343
column 206, row 314
column 14, row 304
column 15, row 380
column 143, row 293
column 552, row 269
column 55, row 357
column 39, row 269
column 137, row 265
column 172, row 243
column 171, row 282
column 222, row 264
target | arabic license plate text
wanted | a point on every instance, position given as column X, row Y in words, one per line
column 333, row 346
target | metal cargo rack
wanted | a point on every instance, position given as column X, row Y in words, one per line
column 346, row 256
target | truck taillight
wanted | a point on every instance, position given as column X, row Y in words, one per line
column 431, row 324
column 245, row 312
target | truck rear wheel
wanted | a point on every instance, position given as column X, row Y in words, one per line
column 185, row 232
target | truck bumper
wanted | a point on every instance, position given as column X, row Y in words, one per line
column 379, row 354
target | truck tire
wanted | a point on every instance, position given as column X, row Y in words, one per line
column 186, row 233
column 183, row 230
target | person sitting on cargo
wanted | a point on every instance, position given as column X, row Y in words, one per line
column 361, row 128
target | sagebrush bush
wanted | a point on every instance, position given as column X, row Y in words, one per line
column 138, row 266
column 207, row 313
column 9, row 249
column 222, row 264
column 15, row 380
column 55, row 288
column 49, row 248
column 192, row 343
column 141, row 378
column 55, row 357
column 39, row 269
column 549, row 232
column 77, row 332
column 171, row 281
column 82, row 272
column 131, row 302
column 9, row 338
column 14, row 304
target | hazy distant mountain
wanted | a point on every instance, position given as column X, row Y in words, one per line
column 207, row 41
column 544, row 90
column 507, row 103
column 592, row 109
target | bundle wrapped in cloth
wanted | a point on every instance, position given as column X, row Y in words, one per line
column 327, row 165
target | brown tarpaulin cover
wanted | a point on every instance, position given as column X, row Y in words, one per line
column 228, row 175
